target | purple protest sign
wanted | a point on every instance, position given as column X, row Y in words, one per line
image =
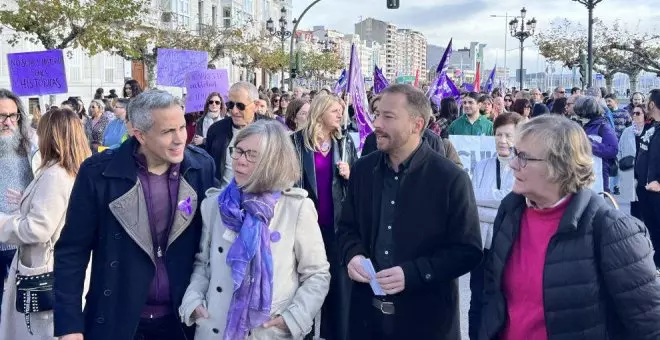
column 37, row 73
column 173, row 65
column 199, row 84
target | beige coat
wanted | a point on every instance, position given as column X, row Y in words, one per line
column 35, row 230
column 301, row 271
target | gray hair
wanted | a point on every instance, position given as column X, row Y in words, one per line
column 140, row 107
column 98, row 103
column 417, row 103
column 567, row 150
column 594, row 92
column 278, row 167
column 23, row 123
column 588, row 107
column 253, row 92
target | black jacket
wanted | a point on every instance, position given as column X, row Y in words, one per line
column 434, row 141
column 647, row 162
column 436, row 240
column 106, row 217
column 217, row 141
column 598, row 283
column 308, row 170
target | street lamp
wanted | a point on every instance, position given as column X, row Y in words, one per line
column 506, row 35
column 521, row 33
column 282, row 33
column 328, row 44
column 590, row 4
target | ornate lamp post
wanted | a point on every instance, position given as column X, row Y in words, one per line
column 522, row 32
column 282, row 33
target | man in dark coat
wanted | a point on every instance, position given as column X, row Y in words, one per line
column 135, row 209
column 241, row 108
column 419, row 232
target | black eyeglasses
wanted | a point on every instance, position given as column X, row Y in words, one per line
column 216, row 102
column 508, row 100
column 637, row 113
column 13, row 117
column 523, row 158
column 239, row 106
column 236, row 154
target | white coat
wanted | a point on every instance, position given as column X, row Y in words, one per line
column 484, row 183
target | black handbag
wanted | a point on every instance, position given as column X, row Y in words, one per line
column 34, row 293
column 627, row 163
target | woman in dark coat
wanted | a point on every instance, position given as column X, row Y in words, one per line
column 564, row 264
column 325, row 171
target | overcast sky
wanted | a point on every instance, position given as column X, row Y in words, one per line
column 469, row 20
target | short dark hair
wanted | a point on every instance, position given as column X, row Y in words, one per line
column 417, row 103
column 473, row 95
column 448, row 109
column 575, row 90
column 485, row 98
column 559, row 106
column 539, row 109
column 292, row 111
column 611, row 96
column 519, row 105
column 506, row 118
column 654, row 96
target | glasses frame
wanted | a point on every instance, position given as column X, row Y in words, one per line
column 230, row 105
column 4, row 117
column 523, row 159
column 242, row 153
column 216, row 102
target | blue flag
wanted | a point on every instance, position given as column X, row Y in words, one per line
column 491, row 80
column 340, row 86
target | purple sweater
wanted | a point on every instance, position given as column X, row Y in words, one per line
column 160, row 192
column 607, row 149
column 323, row 165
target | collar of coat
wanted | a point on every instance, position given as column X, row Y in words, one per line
column 124, row 165
column 514, row 204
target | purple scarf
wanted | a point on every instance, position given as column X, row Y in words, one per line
column 249, row 257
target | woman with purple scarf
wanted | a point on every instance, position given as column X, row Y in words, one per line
column 261, row 272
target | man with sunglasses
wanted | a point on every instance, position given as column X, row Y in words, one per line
column 241, row 108
column 16, row 161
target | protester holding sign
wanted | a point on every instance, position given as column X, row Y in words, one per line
column 563, row 263
column 492, row 180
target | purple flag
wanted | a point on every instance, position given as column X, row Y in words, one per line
column 173, row 65
column 340, row 86
column 441, row 69
column 358, row 97
column 380, row 83
column 491, row 80
column 37, row 73
column 445, row 88
column 200, row 84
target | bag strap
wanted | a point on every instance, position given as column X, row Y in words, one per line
column 497, row 173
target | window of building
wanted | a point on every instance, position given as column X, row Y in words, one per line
column 182, row 11
column 226, row 16
column 109, row 68
column 200, row 13
column 214, row 15
column 75, row 69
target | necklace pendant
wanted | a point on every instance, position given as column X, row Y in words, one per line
column 159, row 252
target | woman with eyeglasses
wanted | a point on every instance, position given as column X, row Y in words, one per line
column 628, row 146
column 508, row 102
column 214, row 110
column 96, row 124
column 492, row 181
column 115, row 133
column 296, row 114
column 564, row 264
column 261, row 272
column 523, row 107
column 325, row 173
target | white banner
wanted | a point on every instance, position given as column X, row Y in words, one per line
column 472, row 149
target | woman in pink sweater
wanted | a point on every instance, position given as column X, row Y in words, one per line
column 563, row 263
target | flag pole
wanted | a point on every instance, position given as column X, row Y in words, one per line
column 348, row 102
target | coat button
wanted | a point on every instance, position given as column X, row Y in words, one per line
column 114, row 264
column 216, row 331
column 117, row 236
column 220, row 250
column 219, row 289
column 100, row 320
column 107, row 292
column 427, row 276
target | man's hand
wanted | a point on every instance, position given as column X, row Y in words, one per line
column 278, row 322
column 74, row 336
column 198, row 140
column 391, row 280
column 355, row 270
column 653, row 186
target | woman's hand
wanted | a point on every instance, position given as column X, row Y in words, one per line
column 14, row 196
column 198, row 140
column 653, row 186
column 277, row 321
column 344, row 170
column 200, row 313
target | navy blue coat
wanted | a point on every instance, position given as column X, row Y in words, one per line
column 107, row 219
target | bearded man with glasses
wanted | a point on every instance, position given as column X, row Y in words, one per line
column 241, row 108
column 18, row 147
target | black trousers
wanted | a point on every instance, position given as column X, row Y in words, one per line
column 6, row 256
column 374, row 325
column 476, row 297
column 165, row 328
column 649, row 206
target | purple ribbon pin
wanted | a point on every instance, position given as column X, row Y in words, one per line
column 275, row 236
column 185, row 206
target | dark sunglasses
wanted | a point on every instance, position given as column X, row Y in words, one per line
column 239, row 106
column 216, row 102
column 508, row 100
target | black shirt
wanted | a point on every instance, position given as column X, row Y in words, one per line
column 384, row 247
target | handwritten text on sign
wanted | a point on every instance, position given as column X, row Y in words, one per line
column 201, row 83
column 173, row 65
column 37, row 73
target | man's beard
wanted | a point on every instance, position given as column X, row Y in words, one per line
column 10, row 143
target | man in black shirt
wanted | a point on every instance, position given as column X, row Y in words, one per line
column 413, row 213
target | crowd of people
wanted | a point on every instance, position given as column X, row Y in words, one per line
column 260, row 217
